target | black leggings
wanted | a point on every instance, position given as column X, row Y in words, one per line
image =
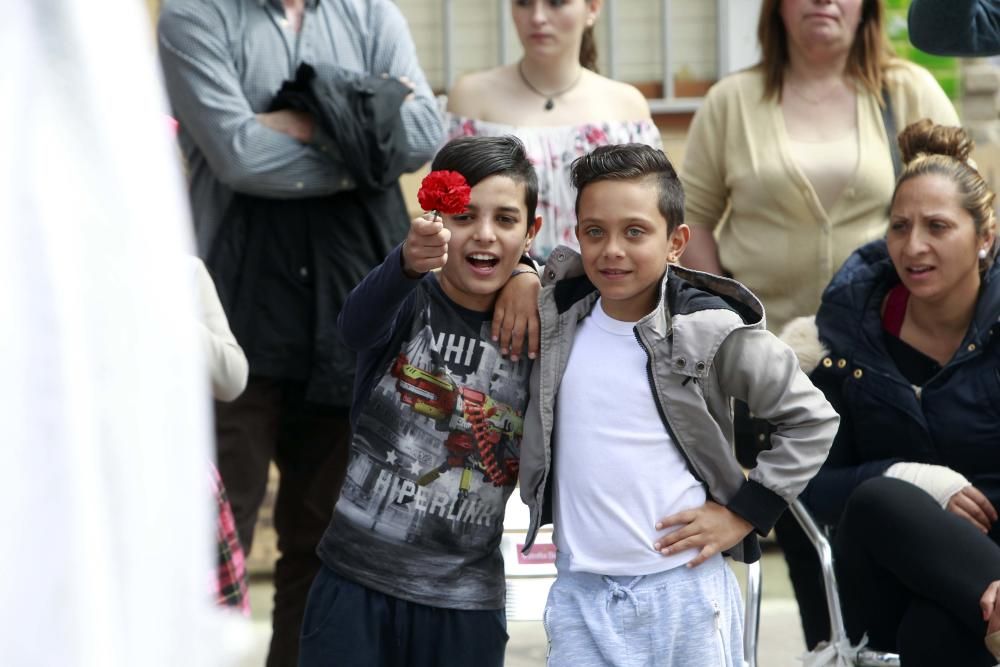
column 911, row 575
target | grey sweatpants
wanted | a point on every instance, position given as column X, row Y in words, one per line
column 684, row 617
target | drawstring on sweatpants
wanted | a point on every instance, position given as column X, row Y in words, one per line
column 618, row 592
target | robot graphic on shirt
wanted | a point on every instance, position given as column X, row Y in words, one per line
column 482, row 433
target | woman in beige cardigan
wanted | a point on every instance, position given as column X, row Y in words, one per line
column 796, row 148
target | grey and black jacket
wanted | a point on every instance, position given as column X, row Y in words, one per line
column 707, row 345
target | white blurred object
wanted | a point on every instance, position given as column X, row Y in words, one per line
column 531, row 575
column 106, row 516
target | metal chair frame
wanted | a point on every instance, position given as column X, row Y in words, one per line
column 865, row 657
column 751, row 618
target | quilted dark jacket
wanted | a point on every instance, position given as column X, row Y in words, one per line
column 952, row 420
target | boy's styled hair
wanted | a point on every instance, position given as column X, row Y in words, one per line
column 478, row 158
column 631, row 162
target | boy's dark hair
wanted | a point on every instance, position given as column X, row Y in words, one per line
column 478, row 158
column 630, row 162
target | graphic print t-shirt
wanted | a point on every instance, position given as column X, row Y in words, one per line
column 434, row 458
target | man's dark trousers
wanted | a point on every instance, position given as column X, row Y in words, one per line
column 309, row 443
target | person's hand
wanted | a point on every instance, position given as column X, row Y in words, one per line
column 711, row 528
column 406, row 81
column 426, row 245
column 988, row 604
column 299, row 125
column 412, row 86
column 515, row 315
column 970, row 503
column 991, row 614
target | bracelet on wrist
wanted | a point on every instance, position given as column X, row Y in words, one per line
column 517, row 272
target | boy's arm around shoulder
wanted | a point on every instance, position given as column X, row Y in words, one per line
column 756, row 367
column 370, row 311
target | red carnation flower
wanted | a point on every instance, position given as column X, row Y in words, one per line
column 445, row 192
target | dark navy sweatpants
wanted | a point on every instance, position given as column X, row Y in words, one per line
column 348, row 625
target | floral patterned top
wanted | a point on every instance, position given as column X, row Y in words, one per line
column 552, row 151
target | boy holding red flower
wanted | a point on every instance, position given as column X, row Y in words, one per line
column 412, row 572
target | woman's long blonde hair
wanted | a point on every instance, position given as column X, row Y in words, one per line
column 870, row 53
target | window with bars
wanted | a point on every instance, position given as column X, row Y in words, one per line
column 672, row 50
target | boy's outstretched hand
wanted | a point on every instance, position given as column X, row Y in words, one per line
column 426, row 246
column 711, row 528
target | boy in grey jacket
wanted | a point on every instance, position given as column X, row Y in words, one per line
column 628, row 435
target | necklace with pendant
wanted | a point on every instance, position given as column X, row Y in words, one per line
column 549, row 97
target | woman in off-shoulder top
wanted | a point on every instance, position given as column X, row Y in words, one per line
column 554, row 100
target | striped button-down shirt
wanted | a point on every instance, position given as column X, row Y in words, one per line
column 223, row 61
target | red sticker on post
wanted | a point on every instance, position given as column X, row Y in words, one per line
column 540, row 554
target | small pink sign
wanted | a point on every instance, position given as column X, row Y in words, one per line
column 540, row 554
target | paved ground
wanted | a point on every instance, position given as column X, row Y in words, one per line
column 780, row 633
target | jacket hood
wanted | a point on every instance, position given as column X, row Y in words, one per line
column 850, row 311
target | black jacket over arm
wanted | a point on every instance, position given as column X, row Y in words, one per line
column 283, row 267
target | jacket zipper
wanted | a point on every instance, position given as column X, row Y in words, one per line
column 663, row 415
column 535, row 518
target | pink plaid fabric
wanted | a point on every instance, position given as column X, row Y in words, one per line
column 231, row 572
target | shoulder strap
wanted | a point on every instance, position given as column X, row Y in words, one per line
column 891, row 132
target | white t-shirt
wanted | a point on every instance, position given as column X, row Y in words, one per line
column 618, row 472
